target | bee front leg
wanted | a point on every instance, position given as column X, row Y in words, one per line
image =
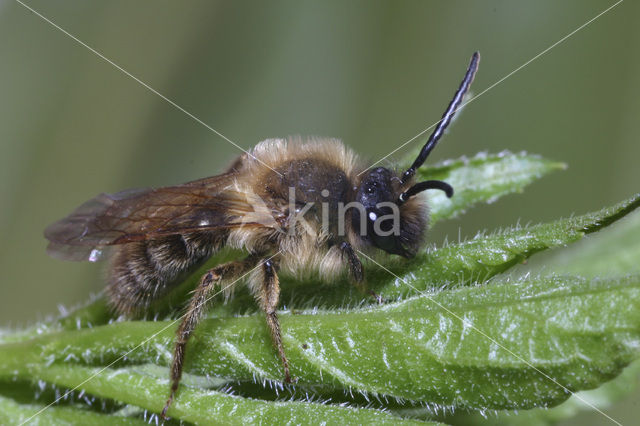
column 201, row 295
column 267, row 293
column 356, row 270
column 355, row 266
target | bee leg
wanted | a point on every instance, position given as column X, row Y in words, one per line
column 202, row 293
column 267, row 294
column 355, row 266
column 356, row 270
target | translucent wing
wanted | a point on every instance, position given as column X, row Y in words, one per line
column 109, row 219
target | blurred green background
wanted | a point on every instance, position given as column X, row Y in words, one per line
column 373, row 73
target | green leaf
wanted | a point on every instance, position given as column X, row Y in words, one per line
column 616, row 251
column 485, row 256
column 202, row 406
column 14, row 413
column 580, row 333
column 601, row 398
column 483, row 178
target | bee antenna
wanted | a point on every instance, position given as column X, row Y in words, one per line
column 423, row 186
column 446, row 118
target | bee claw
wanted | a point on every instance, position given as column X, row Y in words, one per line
column 163, row 415
column 290, row 380
column 378, row 298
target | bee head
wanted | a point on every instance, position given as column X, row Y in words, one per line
column 389, row 217
column 394, row 220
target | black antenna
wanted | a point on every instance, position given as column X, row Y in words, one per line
column 423, row 186
column 445, row 120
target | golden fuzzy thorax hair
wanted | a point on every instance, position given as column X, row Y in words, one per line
column 272, row 153
column 304, row 250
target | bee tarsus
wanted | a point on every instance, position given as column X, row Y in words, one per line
column 355, row 266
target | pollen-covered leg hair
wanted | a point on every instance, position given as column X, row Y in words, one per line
column 267, row 293
column 227, row 272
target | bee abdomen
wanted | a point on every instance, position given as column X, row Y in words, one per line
column 144, row 271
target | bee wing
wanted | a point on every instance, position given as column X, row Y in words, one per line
column 110, row 219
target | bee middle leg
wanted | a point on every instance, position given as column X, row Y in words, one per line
column 202, row 294
column 267, row 293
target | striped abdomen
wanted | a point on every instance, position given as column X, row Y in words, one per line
column 141, row 272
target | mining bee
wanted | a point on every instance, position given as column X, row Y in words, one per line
column 292, row 205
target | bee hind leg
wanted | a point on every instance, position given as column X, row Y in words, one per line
column 267, row 293
column 201, row 295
